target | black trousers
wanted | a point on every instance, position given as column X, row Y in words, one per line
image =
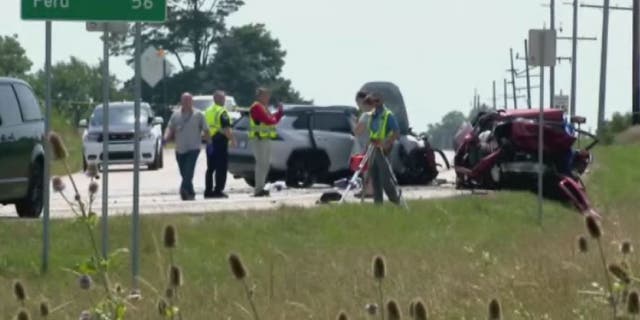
column 218, row 163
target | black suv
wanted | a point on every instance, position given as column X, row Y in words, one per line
column 21, row 148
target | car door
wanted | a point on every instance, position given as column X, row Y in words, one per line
column 333, row 133
column 13, row 177
column 29, row 134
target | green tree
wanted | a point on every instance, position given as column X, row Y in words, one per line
column 249, row 57
column 76, row 87
column 13, row 59
column 192, row 27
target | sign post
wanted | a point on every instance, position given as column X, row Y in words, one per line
column 135, row 216
column 542, row 53
column 47, row 150
column 106, row 28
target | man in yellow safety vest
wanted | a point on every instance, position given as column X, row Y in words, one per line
column 219, row 124
column 383, row 132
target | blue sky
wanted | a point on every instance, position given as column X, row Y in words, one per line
column 437, row 52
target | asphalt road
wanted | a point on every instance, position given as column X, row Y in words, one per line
column 159, row 193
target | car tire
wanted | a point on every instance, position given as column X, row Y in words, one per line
column 298, row 175
column 161, row 158
column 155, row 165
column 31, row 205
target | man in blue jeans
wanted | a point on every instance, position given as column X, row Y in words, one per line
column 187, row 127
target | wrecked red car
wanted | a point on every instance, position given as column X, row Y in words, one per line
column 499, row 150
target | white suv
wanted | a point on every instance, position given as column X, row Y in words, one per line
column 121, row 136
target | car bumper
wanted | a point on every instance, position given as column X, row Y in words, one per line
column 120, row 153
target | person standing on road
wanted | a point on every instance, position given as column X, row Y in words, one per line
column 383, row 132
column 186, row 127
column 262, row 129
column 361, row 133
column 218, row 150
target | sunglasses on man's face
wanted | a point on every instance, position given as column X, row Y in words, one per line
column 361, row 95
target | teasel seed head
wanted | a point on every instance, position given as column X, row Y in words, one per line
column 495, row 310
column 162, row 307
column 372, row 309
column 85, row 282
column 44, row 309
column 169, row 293
column 93, row 188
column 593, row 226
column 379, row 268
column 342, row 316
column 626, row 247
column 633, row 303
column 419, row 310
column 583, row 244
column 393, row 310
column 57, row 184
column 170, row 237
column 237, row 267
column 620, row 273
column 92, row 171
column 23, row 315
column 19, row 291
column 58, row 149
column 175, row 276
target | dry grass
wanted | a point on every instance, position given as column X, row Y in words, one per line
column 456, row 254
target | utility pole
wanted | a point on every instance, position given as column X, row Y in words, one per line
column 552, row 69
column 603, row 65
column 526, row 59
column 636, row 63
column 513, row 81
column 494, row 96
column 506, row 102
column 574, row 59
column 606, row 7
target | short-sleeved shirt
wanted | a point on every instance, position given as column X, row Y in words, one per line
column 377, row 118
column 188, row 128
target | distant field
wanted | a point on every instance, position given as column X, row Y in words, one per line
column 456, row 254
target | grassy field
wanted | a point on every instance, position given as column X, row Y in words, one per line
column 456, row 254
column 73, row 141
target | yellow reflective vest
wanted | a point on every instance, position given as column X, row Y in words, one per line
column 213, row 115
column 260, row 130
column 381, row 133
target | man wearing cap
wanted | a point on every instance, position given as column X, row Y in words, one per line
column 218, row 150
column 262, row 129
column 383, row 132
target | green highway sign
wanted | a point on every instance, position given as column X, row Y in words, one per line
column 95, row 10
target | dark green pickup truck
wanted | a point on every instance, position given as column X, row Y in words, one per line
column 21, row 148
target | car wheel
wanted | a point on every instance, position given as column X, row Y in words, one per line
column 31, row 205
column 251, row 181
column 298, row 175
column 161, row 159
column 156, row 162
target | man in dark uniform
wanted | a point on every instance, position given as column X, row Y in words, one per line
column 218, row 150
